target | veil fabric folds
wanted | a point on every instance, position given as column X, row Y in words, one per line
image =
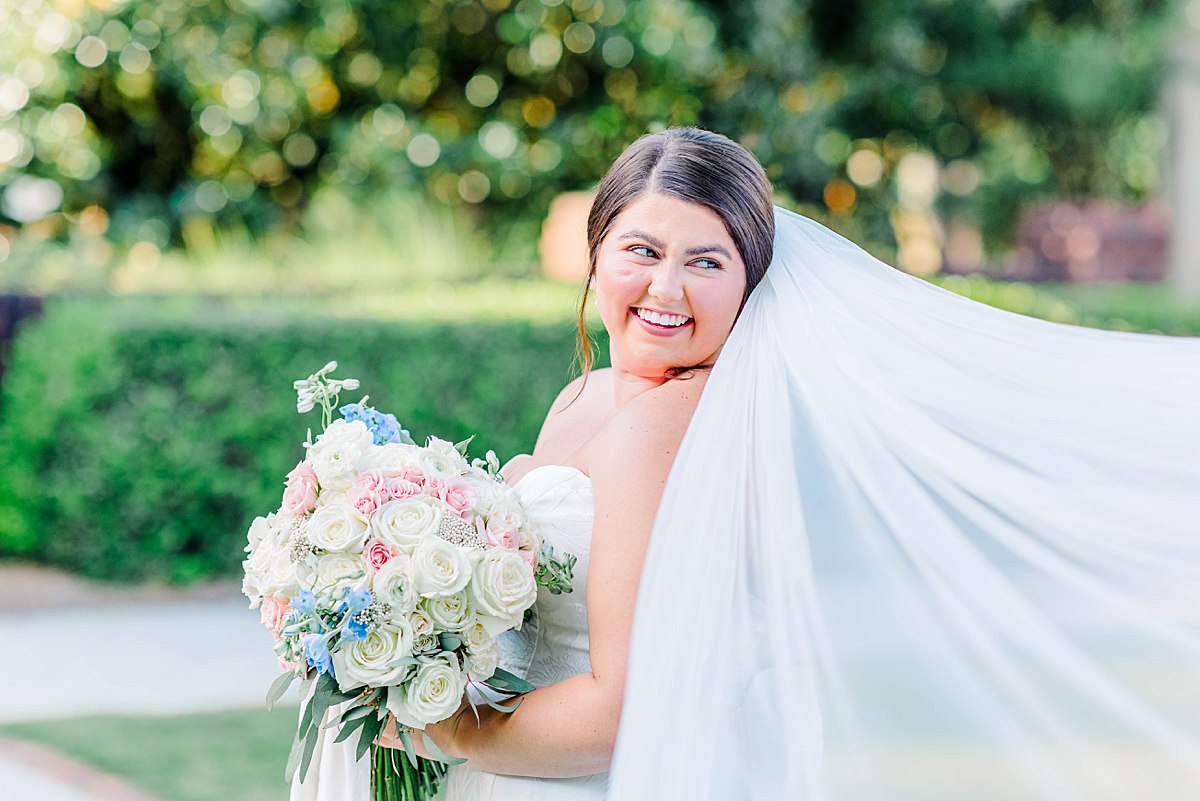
column 915, row 548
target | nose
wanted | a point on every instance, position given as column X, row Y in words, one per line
column 666, row 282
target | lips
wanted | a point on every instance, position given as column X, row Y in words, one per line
column 659, row 329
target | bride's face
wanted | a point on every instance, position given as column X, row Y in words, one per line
column 669, row 282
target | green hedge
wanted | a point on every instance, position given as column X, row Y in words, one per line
column 140, row 438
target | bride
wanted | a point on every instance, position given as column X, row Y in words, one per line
column 893, row 544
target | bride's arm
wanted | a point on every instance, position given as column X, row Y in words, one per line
column 568, row 728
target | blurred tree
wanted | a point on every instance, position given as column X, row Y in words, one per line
column 135, row 117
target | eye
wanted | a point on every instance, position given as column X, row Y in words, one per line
column 649, row 254
column 708, row 264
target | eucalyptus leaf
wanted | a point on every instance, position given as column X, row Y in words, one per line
column 306, row 718
column 508, row 710
column 293, row 760
column 508, row 682
column 450, row 642
column 310, row 744
column 406, row 738
column 437, row 753
column 278, row 688
column 349, row 728
column 369, row 732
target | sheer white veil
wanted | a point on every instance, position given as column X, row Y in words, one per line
column 916, row 548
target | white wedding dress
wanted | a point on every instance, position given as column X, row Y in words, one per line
column 554, row 644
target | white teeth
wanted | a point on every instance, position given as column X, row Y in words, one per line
column 662, row 319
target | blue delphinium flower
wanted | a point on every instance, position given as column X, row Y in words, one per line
column 316, row 651
column 357, row 601
column 384, row 428
column 353, row 630
column 305, row 602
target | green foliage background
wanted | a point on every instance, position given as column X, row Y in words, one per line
column 140, row 438
column 168, row 116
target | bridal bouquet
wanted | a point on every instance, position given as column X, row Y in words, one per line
column 386, row 576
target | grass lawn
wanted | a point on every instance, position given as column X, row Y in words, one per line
column 216, row 756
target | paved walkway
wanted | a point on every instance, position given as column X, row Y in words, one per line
column 72, row 648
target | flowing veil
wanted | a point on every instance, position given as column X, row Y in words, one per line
column 916, row 548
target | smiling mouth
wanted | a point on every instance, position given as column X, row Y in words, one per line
column 661, row 320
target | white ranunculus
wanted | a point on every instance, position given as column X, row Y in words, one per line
column 391, row 457
column 502, row 589
column 432, row 695
column 439, row 568
column 369, row 661
column 450, row 612
column 338, row 451
column 404, row 521
column 483, row 662
column 341, row 570
column 337, row 527
column 441, row 458
column 393, row 585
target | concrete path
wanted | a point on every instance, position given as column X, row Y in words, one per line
column 74, row 648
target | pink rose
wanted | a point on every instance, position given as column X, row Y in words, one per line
column 300, row 492
column 401, row 488
column 373, row 480
column 500, row 537
column 412, row 473
column 378, row 553
column 460, row 497
column 364, row 501
column 271, row 613
column 434, row 487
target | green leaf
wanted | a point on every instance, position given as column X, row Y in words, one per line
column 353, row 713
column 461, row 447
column 349, row 728
column 293, row 760
column 437, row 753
column 310, row 744
column 503, row 680
column 306, row 718
column 508, row 710
column 278, row 688
column 450, row 642
column 369, row 732
column 406, row 738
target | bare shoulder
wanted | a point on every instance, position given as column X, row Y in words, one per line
column 575, row 415
column 639, row 443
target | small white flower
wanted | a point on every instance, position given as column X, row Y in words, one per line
column 338, row 451
column 393, row 585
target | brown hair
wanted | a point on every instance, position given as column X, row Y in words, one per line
column 697, row 166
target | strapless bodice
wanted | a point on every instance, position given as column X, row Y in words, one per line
column 553, row 644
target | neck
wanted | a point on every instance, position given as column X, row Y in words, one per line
column 627, row 385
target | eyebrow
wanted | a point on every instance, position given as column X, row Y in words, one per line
column 659, row 244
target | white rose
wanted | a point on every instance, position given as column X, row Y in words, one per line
column 432, row 695
column 391, row 457
column 421, row 624
column 483, row 663
column 477, row 638
column 336, row 454
column 450, row 612
column 392, row 584
column 503, row 588
column 269, row 569
column 370, row 660
column 339, row 569
column 439, row 568
column 404, row 521
column 337, row 527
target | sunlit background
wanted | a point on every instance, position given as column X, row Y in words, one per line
column 202, row 200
